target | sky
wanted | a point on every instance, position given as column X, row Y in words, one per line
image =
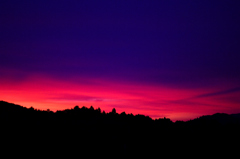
column 160, row 58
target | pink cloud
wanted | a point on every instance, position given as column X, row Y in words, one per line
column 154, row 101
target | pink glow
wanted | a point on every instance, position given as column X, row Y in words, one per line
column 154, row 101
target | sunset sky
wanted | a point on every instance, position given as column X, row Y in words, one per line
column 178, row 59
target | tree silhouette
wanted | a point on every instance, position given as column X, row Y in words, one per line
column 76, row 107
column 113, row 111
column 123, row 133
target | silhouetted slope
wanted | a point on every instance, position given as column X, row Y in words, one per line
column 96, row 133
column 222, row 118
column 83, row 116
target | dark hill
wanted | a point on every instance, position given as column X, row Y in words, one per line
column 95, row 133
column 222, row 118
column 16, row 114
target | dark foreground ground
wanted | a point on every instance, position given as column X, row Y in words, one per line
column 91, row 133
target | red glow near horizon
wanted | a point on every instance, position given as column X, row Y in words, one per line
column 156, row 102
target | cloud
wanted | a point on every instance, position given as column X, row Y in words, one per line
column 233, row 90
column 191, row 100
column 74, row 97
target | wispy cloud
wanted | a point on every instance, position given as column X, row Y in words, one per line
column 191, row 100
column 73, row 97
column 233, row 90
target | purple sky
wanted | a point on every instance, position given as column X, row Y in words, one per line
column 180, row 45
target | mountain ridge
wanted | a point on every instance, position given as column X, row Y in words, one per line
column 113, row 135
column 222, row 118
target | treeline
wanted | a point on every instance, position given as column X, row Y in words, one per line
column 98, row 133
column 12, row 113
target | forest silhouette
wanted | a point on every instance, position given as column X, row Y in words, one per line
column 95, row 133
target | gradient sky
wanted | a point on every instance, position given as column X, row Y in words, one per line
column 161, row 58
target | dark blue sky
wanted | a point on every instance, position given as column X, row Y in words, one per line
column 179, row 44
